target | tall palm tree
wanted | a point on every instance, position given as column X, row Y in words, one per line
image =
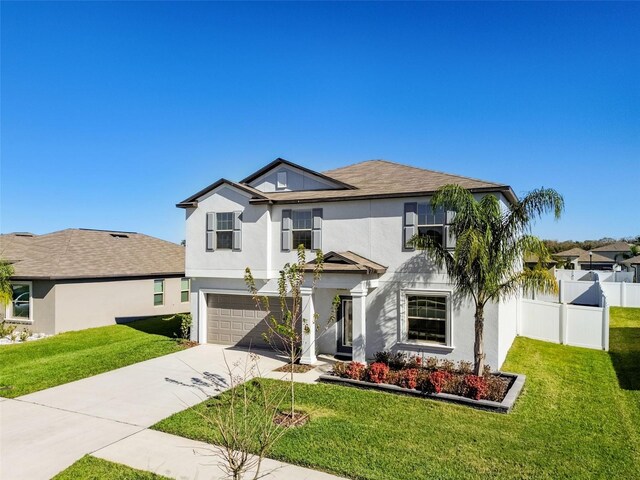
column 6, row 292
column 486, row 263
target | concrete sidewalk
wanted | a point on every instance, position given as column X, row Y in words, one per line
column 44, row 432
column 181, row 458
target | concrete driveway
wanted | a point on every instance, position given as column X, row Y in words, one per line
column 43, row 433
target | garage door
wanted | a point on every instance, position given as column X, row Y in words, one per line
column 236, row 320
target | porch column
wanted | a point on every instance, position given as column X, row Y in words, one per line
column 359, row 302
column 308, row 354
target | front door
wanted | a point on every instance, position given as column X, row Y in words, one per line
column 345, row 326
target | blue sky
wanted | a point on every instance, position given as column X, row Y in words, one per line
column 113, row 112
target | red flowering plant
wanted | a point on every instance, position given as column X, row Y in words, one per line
column 477, row 386
column 408, row 378
column 437, row 380
column 355, row 370
column 378, row 372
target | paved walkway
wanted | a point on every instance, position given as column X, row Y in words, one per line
column 177, row 457
column 43, row 433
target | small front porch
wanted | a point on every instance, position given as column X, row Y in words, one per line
column 349, row 278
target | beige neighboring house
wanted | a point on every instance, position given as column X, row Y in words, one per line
column 601, row 258
column 633, row 265
column 617, row 252
column 80, row 278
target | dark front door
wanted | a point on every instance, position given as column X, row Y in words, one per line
column 345, row 326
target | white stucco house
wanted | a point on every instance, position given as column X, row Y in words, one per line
column 360, row 216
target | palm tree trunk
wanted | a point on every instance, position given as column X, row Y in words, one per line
column 478, row 346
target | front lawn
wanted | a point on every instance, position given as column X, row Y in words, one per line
column 92, row 468
column 36, row 365
column 578, row 417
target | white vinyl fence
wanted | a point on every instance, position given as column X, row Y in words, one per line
column 575, row 325
column 580, row 292
column 621, row 294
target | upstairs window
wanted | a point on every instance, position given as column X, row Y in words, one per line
column 302, row 226
column 430, row 223
column 224, row 230
column 421, row 219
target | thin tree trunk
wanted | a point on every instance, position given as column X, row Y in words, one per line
column 478, row 346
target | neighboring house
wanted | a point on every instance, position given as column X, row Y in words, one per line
column 633, row 265
column 79, row 278
column 579, row 259
column 361, row 216
column 601, row 258
column 617, row 251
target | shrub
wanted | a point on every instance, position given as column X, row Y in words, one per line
column 185, row 325
column 377, row 372
column 394, row 377
column 465, row 367
column 431, row 363
column 476, row 386
column 486, row 371
column 455, row 385
column 408, row 378
column 448, row 366
column 414, row 362
column 355, row 370
column 395, row 360
column 25, row 334
column 6, row 330
column 496, row 388
column 340, row 369
column 436, row 380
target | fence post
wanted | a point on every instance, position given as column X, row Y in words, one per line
column 605, row 324
column 564, row 313
column 560, row 291
column 623, row 294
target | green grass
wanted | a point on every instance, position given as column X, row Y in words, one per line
column 578, row 417
column 92, row 468
column 32, row 366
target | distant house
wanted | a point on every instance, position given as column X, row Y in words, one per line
column 617, row 251
column 601, row 258
column 77, row 278
column 633, row 265
column 579, row 259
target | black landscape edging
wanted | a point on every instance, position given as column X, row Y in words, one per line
column 504, row 406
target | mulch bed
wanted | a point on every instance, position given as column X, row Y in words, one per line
column 297, row 368
column 285, row 419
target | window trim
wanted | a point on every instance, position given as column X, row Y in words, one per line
column 310, row 229
column 155, row 280
column 404, row 319
column 9, row 308
column 188, row 290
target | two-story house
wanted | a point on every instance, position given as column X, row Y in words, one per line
column 361, row 216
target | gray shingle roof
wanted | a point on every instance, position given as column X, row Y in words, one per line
column 370, row 179
column 78, row 253
column 614, row 247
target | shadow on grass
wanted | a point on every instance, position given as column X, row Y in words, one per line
column 624, row 349
column 166, row 325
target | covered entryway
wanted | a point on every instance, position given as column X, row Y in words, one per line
column 237, row 320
